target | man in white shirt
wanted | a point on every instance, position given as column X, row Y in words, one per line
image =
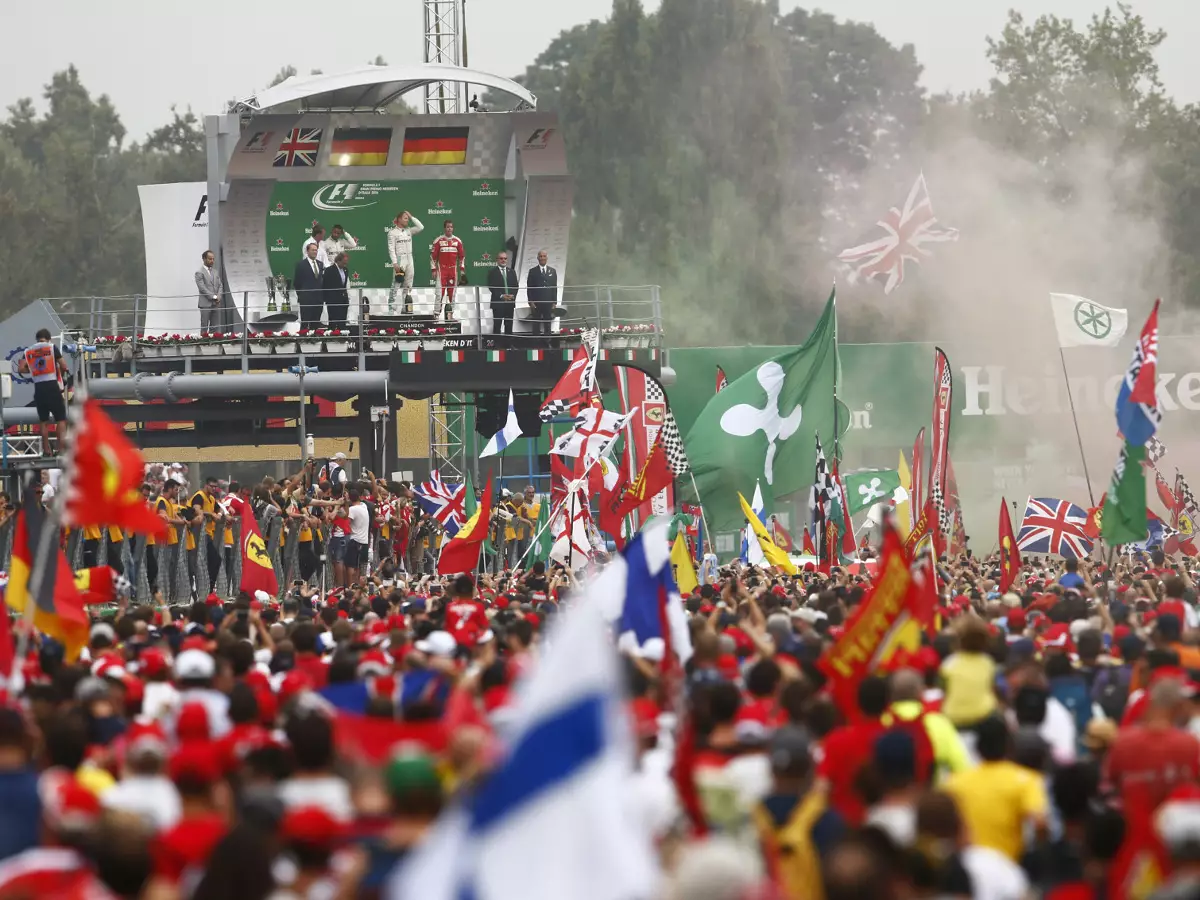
column 360, row 534
column 317, row 237
column 339, row 241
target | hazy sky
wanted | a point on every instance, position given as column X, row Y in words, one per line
column 149, row 54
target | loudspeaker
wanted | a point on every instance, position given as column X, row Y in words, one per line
column 492, row 409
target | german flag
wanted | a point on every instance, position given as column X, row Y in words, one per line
column 57, row 610
column 435, row 146
column 360, row 146
column 96, row 585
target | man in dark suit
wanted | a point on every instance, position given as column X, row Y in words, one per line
column 336, row 281
column 541, row 286
column 307, row 282
column 503, row 283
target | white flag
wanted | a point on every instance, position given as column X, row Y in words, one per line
column 1083, row 323
column 595, row 430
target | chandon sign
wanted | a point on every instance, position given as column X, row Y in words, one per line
column 992, row 391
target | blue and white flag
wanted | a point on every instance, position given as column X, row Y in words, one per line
column 752, row 552
column 637, row 587
column 506, row 435
column 562, row 786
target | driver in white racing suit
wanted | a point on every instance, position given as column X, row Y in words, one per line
column 399, row 239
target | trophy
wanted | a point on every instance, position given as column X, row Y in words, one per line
column 271, row 308
column 398, row 280
column 284, row 285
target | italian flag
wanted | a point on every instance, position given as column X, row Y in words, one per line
column 535, row 355
column 568, row 355
column 495, row 356
column 410, row 356
column 454, row 356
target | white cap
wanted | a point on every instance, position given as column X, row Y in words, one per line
column 339, row 455
column 262, row 596
column 438, row 643
column 195, row 664
column 103, row 629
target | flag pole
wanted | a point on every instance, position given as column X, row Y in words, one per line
column 1075, row 419
column 703, row 518
column 554, row 512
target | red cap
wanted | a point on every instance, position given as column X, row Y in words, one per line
column 194, row 642
column 727, row 665
column 192, row 724
column 212, row 600
column 66, row 804
column 258, row 680
column 1017, row 620
column 198, row 762
column 533, row 619
column 268, row 707
column 152, row 662
column 311, row 826
column 293, row 683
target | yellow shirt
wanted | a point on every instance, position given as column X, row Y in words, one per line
column 91, row 533
column 949, row 752
column 996, row 799
column 208, row 504
column 305, row 531
column 517, row 530
column 115, row 535
column 169, row 510
column 94, row 779
column 970, row 681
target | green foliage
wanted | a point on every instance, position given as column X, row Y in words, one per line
column 717, row 145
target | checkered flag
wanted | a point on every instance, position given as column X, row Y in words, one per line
column 668, row 434
column 1183, row 492
column 1155, row 450
column 824, row 490
column 945, row 520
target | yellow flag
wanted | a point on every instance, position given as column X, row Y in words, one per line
column 775, row 554
column 681, row 562
column 904, row 521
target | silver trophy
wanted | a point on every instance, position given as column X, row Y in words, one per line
column 284, row 286
column 271, row 308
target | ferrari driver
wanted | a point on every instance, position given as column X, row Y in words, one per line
column 448, row 259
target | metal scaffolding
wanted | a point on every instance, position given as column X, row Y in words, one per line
column 447, row 436
column 443, row 45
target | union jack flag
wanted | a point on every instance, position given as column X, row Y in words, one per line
column 445, row 502
column 906, row 232
column 1054, row 526
column 299, row 148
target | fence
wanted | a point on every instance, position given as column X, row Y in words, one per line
column 174, row 321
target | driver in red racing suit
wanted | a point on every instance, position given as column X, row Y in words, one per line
column 448, row 258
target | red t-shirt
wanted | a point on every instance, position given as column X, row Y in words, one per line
column 1146, row 764
column 314, row 668
column 466, row 620
column 186, row 845
column 240, row 738
column 845, row 751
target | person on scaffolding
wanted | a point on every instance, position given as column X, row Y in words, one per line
column 44, row 364
column 448, row 259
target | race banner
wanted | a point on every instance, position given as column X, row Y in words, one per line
column 175, row 228
column 644, row 395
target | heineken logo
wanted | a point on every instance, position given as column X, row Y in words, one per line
column 1094, row 321
column 871, row 492
column 745, row 420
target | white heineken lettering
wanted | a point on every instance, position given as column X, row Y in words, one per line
column 976, row 389
column 277, row 212
column 860, row 418
column 990, row 391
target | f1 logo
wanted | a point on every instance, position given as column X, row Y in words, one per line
column 342, row 192
column 540, row 138
column 202, row 208
column 258, row 141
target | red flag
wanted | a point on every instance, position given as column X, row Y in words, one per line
column 918, row 474
column 609, row 521
column 461, row 552
column 258, row 571
column 722, row 381
column 57, row 609
column 96, row 585
column 654, row 476
column 644, row 397
column 921, row 530
column 1166, row 496
column 807, row 543
column 1091, row 528
column 939, row 436
column 780, row 535
column 1147, row 377
column 848, row 545
column 7, row 654
column 106, row 481
column 1010, row 556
